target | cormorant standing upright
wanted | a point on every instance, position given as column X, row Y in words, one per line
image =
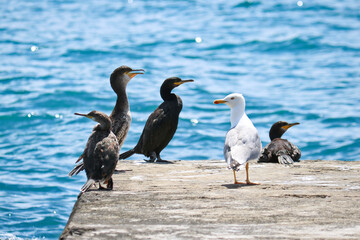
column 280, row 150
column 101, row 152
column 242, row 141
column 161, row 125
column 120, row 116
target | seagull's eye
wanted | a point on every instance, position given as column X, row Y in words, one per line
column 232, row 98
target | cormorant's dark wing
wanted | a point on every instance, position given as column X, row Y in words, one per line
column 280, row 151
column 106, row 155
column 158, row 131
column 265, row 154
column 296, row 153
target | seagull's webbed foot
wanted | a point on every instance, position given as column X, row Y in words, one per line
column 251, row 183
column 247, row 176
column 236, row 182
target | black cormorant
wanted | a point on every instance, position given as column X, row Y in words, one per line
column 280, row 150
column 120, row 116
column 101, row 152
column 242, row 141
column 161, row 125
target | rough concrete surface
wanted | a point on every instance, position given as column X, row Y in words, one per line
column 197, row 200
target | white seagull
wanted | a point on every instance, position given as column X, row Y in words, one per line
column 242, row 141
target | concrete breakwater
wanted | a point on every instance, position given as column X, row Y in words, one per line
column 197, row 200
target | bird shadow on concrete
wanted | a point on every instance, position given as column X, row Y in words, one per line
column 162, row 162
column 122, row 171
column 235, row 186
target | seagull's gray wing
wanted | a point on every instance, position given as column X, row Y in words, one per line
column 241, row 145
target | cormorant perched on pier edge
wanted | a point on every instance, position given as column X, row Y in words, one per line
column 280, row 150
column 161, row 124
column 101, row 152
column 120, row 116
column 242, row 141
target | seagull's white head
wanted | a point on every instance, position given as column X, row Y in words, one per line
column 236, row 102
column 233, row 100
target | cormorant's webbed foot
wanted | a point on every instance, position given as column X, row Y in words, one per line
column 159, row 160
column 163, row 161
column 152, row 158
column 110, row 184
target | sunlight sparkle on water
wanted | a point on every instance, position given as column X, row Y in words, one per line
column 198, row 39
column 34, row 48
column 194, row 122
column 300, row 3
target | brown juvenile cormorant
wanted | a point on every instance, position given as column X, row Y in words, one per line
column 242, row 141
column 280, row 150
column 120, row 116
column 101, row 152
column 161, row 125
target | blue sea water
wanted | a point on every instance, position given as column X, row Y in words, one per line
column 296, row 61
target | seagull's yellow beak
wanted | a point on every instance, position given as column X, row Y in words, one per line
column 218, row 101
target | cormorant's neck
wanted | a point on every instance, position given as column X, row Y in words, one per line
column 122, row 103
column 166, row 94
column 237, row 112
column 276, row 133
column 119, row 84
column 104, row 124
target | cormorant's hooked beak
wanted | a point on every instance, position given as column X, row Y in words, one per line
column 183, row 81
column 286, row 127
column 135, row 72
column 84, row 115
column 218, row 101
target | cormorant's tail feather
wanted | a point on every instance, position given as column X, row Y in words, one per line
column 78, row 168
column 127, row 154
column 81, row 157
column 285, row 159
column 87, row 185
